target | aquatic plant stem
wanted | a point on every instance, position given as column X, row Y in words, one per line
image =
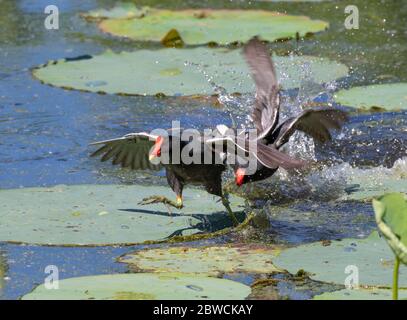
column 396, row 279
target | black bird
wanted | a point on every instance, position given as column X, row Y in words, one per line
column 137, row 150
column 265, row 113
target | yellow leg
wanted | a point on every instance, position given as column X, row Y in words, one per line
column 232, row 216
column 160, row 199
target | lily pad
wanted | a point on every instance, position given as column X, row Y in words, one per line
column 119, row 11
column 103, row 214
column 175, row 72
column 363, row 186
column 327, row 262
column 210, row 260
column 360, row 294
column 387, row 96
column 142, row 286
column 391, row 218
column 201, row 26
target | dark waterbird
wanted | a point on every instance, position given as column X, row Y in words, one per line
column 265, row 113
column 136, row 150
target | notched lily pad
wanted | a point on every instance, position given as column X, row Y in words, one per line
column 208, row 260
column 142, row 286
column 371, row 256
column 175, row 72
column 391, row 218
column 104, row 214
column 390, row 97
column 202, row 26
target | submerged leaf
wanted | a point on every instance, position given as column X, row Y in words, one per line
column 211, row 260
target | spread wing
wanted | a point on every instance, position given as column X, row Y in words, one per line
column 268, row 156
column 266, row 107
column 315, row 123
column 130, row 151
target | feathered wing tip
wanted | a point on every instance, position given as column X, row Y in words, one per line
column 266, row 107
column 316, row 123
column 130, row 151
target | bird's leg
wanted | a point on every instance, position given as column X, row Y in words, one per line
column 161, row 199
column 226, row 203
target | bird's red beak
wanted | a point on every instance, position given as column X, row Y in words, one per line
column 240, row 173
column 156, row 152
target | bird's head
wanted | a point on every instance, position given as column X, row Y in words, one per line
column 240, row 176
column 156, row 152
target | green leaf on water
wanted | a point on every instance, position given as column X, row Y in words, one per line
column 45, row 215
column 391, row 218
column 119, row 11
column 176, row 72
column 328, row 263
column 360, row 294
column 202, row 26
column 142, row 286
column 391, row 97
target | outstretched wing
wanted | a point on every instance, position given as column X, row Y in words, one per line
column 130, row 151
column 266, row 107
column 268, row 156
column 315, row 123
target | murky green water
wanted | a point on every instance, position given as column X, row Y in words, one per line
column 45, row 131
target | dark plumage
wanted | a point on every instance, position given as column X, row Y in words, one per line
column 265, row 113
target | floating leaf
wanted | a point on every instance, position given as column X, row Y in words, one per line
column 119, row 11
column 142, row 286
column 366, row 187
column 44, row 215
column 391, row 218
column 201, row 26
column 371, row 257
column 146, row 72
column 360, row 294
column 211, row 260
column 387, row 96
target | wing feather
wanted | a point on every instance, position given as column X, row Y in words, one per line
column 131, row 150
column 267, row 103
column 316, row 123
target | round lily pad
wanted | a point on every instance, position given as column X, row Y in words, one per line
column 175, row 72
column 360, row 294
column 387, row 96
column 210, row 260
column 142, row 286
column 201, row 26
column 328, row 261
column 391, row 218
column 103, row 214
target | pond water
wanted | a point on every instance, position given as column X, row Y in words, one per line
column 45, row 131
